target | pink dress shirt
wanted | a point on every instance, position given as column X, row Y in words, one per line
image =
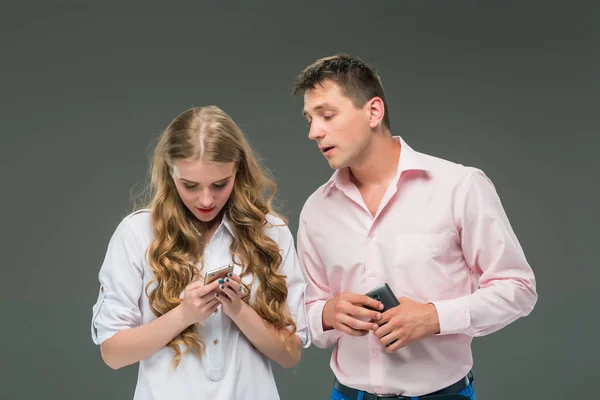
column 440, row 235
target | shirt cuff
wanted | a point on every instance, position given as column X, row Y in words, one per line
column 454, row 315
column 321, row 338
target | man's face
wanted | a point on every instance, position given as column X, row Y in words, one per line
column 341, row 130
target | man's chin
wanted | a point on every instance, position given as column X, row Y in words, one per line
column 336, row 164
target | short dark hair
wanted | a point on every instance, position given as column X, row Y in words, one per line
column 359, row 81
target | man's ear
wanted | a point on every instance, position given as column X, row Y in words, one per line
column 376, row 111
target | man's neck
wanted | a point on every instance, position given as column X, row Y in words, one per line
column 379, row 162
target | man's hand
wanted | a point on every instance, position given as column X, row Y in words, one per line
column 406, row 323
column 347, row 313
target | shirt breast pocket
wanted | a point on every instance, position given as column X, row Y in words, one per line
column 423, row 263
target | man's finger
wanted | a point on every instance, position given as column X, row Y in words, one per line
column 362, row 312
column 370, row 303
column 352, row 332
column 355, row 298
column 385, row 317
column 387, row 338
column 395, row 345
column 383, row 330
column 358, row 324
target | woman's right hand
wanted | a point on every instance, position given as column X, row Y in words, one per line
column 199, row 301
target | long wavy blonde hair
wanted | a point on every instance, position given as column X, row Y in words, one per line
column 176, row 253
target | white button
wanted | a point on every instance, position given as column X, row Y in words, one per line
column 216, row 374
column 375, row 352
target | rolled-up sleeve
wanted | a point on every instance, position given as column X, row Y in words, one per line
column 317, row 291
column 290, row 267
column 507, row 288
column 121, row 285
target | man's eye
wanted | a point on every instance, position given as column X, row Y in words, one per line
column 327, row 117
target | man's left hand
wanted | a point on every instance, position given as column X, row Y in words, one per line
column 406, row 323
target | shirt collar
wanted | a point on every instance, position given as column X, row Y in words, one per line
column 228, row 224
column 409, row 160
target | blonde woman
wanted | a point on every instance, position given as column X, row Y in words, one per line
column 210, row 206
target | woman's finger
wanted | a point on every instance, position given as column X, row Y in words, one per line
column 212, row 302
column 234, row 285
column 203, row 290
column 231, row 294
column 221, row 298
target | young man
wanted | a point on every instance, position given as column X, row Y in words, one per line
column 433, row 230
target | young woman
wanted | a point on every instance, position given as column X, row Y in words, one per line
column 210, row 206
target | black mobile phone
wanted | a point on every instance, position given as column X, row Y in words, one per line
column 384, row 294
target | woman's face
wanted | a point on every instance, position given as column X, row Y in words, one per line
column 204, row 187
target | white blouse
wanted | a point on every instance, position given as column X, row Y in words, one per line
column 231, row 367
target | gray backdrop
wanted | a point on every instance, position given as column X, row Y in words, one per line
column 509, row 87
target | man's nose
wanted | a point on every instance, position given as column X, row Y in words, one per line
column 315, row 131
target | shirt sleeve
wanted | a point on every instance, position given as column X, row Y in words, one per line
column 507, row 287
column 121, row 285
column 290, row 267
column 317, row 289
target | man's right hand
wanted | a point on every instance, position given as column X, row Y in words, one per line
column 348, row 313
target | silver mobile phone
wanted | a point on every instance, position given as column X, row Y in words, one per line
column 218, row 273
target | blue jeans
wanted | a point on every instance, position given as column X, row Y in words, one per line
column 468, row 392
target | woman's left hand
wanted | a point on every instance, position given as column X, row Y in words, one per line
column 229, row 294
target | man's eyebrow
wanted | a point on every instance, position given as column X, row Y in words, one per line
column 317, row 108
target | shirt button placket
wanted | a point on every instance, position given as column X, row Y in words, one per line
column 370, row 250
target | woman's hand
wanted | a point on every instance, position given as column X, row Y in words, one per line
column 199, row 302
column 229, row 295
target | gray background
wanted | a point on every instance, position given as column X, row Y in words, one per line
column 509, row 87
